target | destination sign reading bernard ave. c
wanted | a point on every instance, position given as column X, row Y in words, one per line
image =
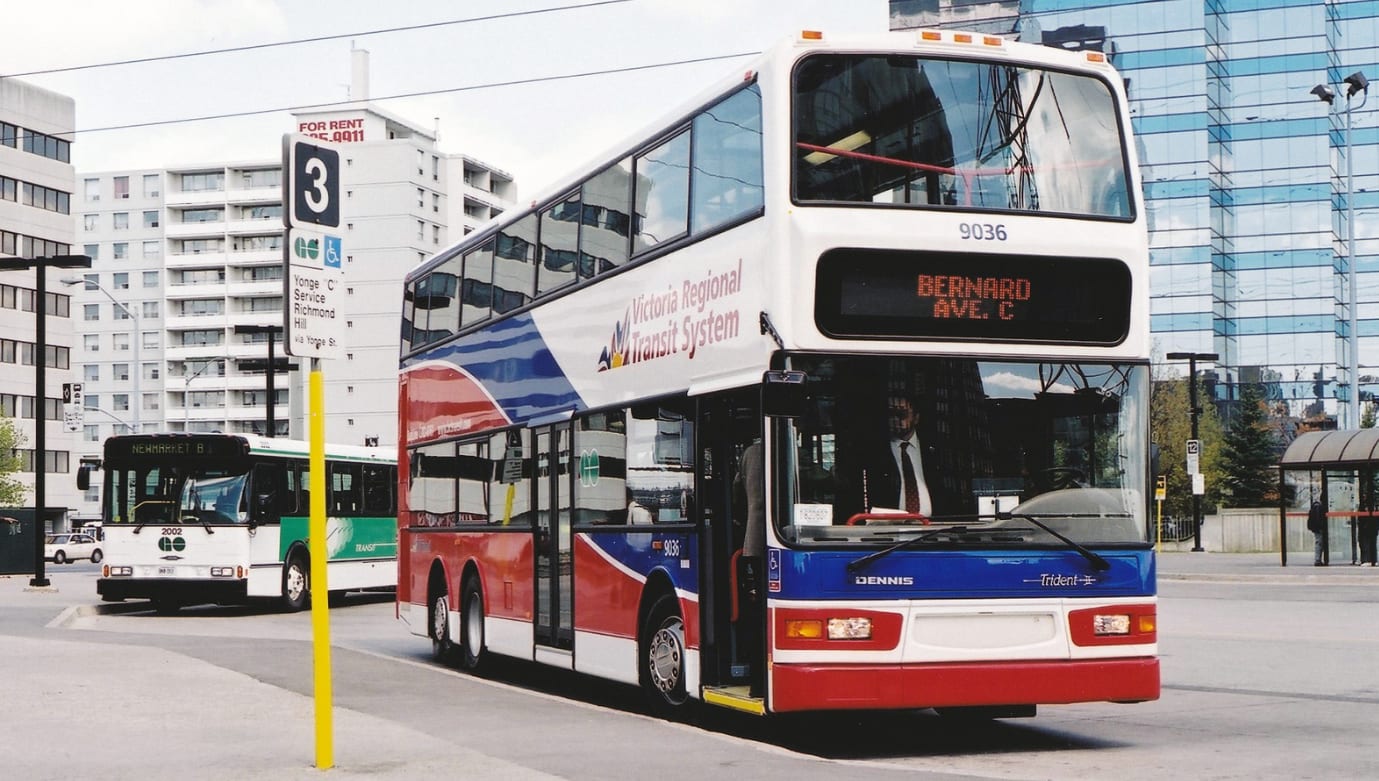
column 897, row 294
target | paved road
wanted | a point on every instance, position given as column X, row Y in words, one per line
column 1268, row 673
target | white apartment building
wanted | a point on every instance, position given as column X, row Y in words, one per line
column 184, row 256
column 36, row 182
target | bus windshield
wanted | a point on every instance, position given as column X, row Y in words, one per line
column 928, row 132
column 171, row 493
column 965, row 452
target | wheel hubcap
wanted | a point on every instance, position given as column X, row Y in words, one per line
column 440, row 616
column 296, row 582
column 666, row 656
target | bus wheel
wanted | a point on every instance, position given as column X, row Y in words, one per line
column 295, row 590
column 663, row 656
column 472, row 625
column 442, row 647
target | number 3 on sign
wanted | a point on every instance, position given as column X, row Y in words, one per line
column 314, row 182
column 318, row 197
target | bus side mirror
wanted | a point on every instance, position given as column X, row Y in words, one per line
column 783, row 393
column 84, row 471
column 265, row 508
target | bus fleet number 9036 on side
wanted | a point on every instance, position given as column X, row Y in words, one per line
column 223, row 518
column 828, row 392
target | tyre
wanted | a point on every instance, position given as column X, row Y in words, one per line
column 96, row 556
column 296, row 585
column 661, row 652
column 442, row 647
column 472, row 652
column 59, row 558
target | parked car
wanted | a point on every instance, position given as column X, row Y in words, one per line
column 62, row 548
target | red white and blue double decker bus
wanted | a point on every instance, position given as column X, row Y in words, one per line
column 830, row 391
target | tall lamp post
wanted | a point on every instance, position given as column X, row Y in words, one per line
column 138, row 401
column 1193, row 411
column 1355, row 82
column 40, row 266
column 187, row 392
column 270, row 368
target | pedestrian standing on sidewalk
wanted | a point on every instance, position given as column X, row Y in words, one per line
column 1316, row 523
column 1369, row 535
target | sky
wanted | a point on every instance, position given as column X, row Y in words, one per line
column 534, row 131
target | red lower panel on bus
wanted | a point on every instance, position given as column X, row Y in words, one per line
column 796, row 687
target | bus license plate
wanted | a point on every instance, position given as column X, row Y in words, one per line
column 168, row 571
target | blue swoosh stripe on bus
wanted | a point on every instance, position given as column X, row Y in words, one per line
column 495, row 355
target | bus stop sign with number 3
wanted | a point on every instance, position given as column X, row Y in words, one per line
column 314, row 186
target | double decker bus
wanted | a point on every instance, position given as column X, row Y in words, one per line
column 223, row 518
column 646, row 426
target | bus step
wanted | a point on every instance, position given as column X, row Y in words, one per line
column 735, row 697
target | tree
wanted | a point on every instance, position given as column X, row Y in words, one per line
column 1251, row 454
column 12, row 492
column 1170, row 425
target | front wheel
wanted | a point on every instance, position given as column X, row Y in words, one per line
column 472, row 625
column 295, row 585
column 59, row 558
column 662, row 652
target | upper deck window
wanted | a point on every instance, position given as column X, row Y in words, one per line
column 916, row 131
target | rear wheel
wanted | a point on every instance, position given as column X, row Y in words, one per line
column 472, row 625
column 295, row 585
column 442, row 647
column 662, row 652
column 96, row 556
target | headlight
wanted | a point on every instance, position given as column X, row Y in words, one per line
column 849, row 629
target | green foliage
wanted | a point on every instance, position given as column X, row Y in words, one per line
column 12, row 492
column 1170, row 425
column 1251, row 454
column 1367, row 418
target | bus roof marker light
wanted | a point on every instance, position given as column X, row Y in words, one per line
column 930, row 35
column 962, row 37
column 1097, row 57
column 993, row 40
column 811, row 35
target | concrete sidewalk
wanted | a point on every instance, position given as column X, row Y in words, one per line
column 82, row 707
column 1260, row 568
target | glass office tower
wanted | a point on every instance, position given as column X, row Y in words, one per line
column 1245, row 174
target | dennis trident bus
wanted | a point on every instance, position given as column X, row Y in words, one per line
column 830, row 391
column 223, row 518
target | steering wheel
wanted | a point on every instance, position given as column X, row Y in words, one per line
column 1062, row 477
column 863, row 519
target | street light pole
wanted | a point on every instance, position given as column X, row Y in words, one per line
column 187, row 391
column 40, row 460
column 1193, row 411
column 272, row 331
column 138, row 401
column 1355, row 82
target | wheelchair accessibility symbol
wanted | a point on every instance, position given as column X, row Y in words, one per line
column 773, row 570
column 333, row 250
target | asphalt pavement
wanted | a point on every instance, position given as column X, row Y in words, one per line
column 158, row 714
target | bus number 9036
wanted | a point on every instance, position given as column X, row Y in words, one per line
column 982, row 231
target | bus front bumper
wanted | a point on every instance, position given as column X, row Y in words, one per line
column 803, row 687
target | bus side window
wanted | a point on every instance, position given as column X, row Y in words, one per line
column 378, row 491
column 344, row 485
column 268, row 497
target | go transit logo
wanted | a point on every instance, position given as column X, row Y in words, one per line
column 170, row 544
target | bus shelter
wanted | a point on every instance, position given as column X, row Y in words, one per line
column 1338, row 468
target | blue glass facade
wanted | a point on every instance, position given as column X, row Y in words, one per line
column 1244, row 175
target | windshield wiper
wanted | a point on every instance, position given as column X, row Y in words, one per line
column 1098, row 563
column 857, row 564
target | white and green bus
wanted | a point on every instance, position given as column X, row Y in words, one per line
column 222, row 518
